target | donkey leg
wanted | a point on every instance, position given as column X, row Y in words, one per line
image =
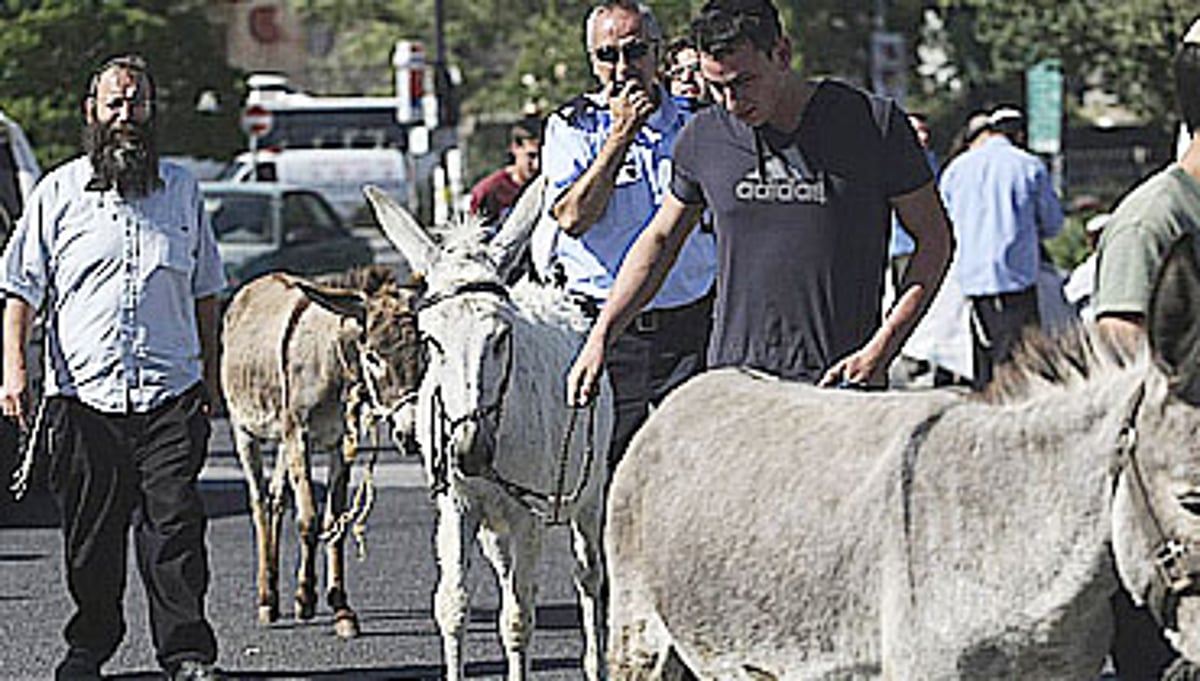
column 345, row 621
column 589, row 580
column 639, row 645
column 514, row 555
column 295, row 451
column 250, row 456
column 451, row 600
column 277, row 502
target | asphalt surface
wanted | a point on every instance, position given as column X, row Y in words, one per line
column 392, row 591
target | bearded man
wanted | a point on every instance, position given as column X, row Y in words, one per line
column 115, row 247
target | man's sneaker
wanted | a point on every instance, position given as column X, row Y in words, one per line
column 193, row 670
column 77, row 666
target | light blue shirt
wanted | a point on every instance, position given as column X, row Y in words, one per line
column 1001, row 201
column 574, row 136
column 119, row 279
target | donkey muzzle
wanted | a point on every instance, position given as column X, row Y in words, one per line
column 473, row 447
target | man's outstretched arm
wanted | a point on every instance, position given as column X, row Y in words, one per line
column 641, row 274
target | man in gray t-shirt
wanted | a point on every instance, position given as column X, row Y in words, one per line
column 800, row 177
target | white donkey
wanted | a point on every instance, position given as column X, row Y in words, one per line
column 768, row 530
column 502, row 449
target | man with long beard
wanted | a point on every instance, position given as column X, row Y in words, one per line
column 115, row 248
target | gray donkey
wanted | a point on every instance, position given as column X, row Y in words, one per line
column 759, row 529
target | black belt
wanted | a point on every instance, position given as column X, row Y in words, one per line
column 650, row 321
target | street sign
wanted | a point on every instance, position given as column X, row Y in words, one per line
column 408, row 60
column 256, row 120
column 1044, row 103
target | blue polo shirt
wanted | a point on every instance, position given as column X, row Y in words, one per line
column 574, row 136
column 1001, row 201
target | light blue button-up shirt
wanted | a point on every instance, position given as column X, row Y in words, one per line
column 574, row 136
column 1001, row 201
column 119, row 279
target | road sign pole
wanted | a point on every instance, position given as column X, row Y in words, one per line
column 256, row 122
column 253, row 144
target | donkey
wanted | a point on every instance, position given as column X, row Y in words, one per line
column 761, row 529
column 304, row 364
column 503, row 452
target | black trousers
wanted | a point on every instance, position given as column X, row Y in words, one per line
column 108, row 472
column 997, row 323
column 1139, row 650
column 657, row 352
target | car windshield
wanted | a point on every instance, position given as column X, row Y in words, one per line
column 240, row 219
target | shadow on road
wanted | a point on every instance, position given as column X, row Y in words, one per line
column 491, row 669
column 222, row 499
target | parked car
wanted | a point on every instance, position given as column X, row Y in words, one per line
column 338, row 173
column 278, row 227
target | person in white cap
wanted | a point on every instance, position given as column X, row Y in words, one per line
column 1001, row 202
column 1133, row 245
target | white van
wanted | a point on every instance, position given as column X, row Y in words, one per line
column 338, row 174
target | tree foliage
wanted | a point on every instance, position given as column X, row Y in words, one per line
column 515, row 53
column 48, row 50
column 1124, row 48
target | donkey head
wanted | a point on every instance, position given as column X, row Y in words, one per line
column 387, row 343
column 471, row 364
column 468, row 323
column 1156, row 536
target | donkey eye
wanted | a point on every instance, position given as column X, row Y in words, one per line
column 1190, row 502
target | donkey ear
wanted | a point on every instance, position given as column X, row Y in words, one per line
column 512, row 238
column 343, row 302
column 402, row 229
column 1173, row 321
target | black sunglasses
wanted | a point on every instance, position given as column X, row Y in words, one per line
column 611, row 54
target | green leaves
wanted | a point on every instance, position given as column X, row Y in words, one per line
column 48, row 49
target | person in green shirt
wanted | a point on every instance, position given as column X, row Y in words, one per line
column 1152, row 216
column 1132, row 249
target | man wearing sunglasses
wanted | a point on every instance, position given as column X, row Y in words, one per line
column 800, row 176
column 607, row 156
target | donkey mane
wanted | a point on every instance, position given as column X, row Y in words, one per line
column 369, row 279
column 464, row 244
column 1064, row 360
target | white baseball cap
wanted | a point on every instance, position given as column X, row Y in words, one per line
column 1005, row 114
column 1192, row 37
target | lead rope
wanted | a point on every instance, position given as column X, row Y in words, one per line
column 564, row 454
column 438, row 440
column 21, row 477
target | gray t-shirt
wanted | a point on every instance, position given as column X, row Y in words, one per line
column 1136, row 240
column 802, row 224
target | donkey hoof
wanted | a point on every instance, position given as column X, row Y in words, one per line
column 345, row 623
column 267, row 614
column 305, row 610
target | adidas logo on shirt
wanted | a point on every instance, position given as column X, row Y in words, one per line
column 782, row 184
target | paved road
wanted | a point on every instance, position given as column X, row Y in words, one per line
column 392, row 591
